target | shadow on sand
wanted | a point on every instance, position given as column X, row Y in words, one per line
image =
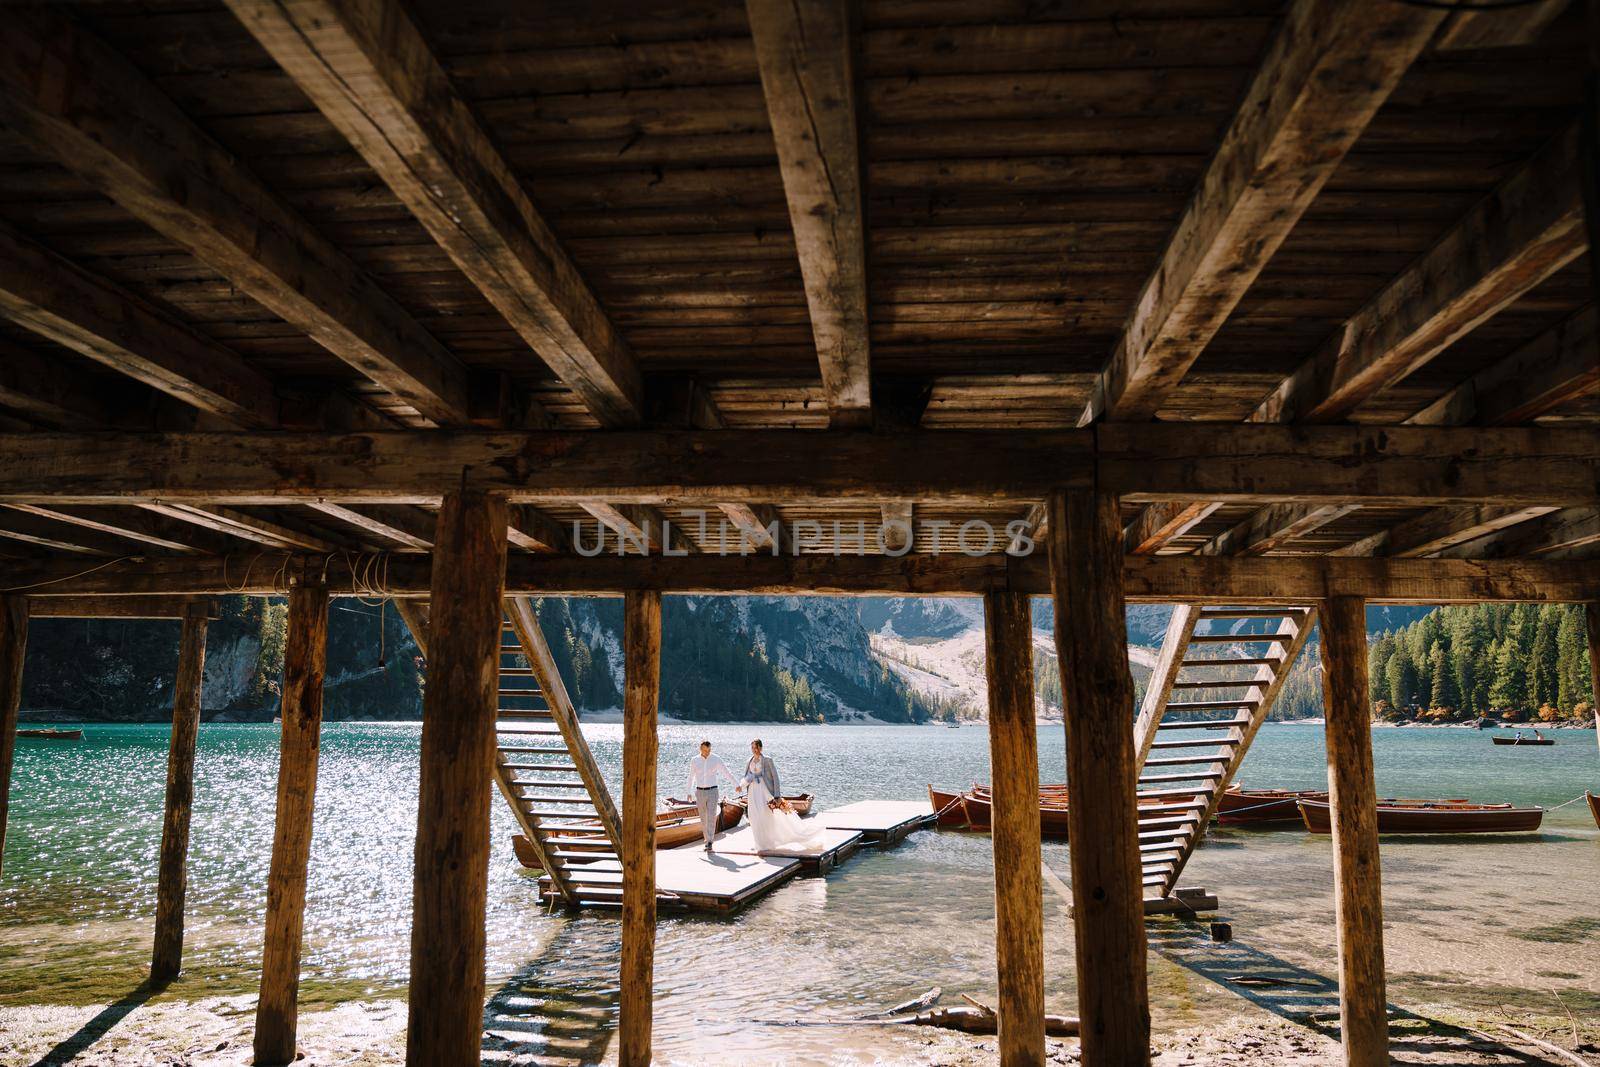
column 1301, row 996
column 561, row 1008
column 101, row 1025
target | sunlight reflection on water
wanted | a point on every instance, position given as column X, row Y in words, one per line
column 85, row 831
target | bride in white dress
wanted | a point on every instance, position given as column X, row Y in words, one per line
column 774, row 828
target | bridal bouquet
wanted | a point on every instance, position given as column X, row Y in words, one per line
column 779, row 804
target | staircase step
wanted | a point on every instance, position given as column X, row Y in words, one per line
column 1184, row 761
column 1210, row 705
column 1169, row 838
column 542, row 798
column 1185, row 776
column 521, row 672
column 1199, row 742
column 1168, row 824
column 536, row 766
column 1220, row 683
column 1171, row 844
column 542, row 783
column 1249, row 613
column 1201, row 724
column 526, row 731
column 1161, row 809
column 1248, row 661
column 1154, row 879
column 568, row 854
column 525, row 714
column 1235, row 639
column 536, row 751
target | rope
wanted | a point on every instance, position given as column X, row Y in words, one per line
column 1568, row 803
column 69, row 577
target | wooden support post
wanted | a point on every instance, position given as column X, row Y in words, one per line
column 1014, row 771
column 1591, row 612
column 13, row 646
column 1085, row 538
column 451, row 878
column 642, row 656
column 305, row 657
column 167, row 956
column 1353, row 798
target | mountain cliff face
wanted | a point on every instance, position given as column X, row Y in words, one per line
column 778, row 659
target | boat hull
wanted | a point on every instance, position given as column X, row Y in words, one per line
column 1259, row 807
column 1594, row 807
column 1525, row 742
column 52, row 735
column 1434, row 818
column 1052, row 816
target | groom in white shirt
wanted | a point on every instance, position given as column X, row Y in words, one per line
column 703, row 771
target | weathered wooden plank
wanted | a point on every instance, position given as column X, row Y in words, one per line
column 1557, row 366
column 1085, row 548
column 534, row 530
column 641, row 615
column 13, row 650
column 408, row 527
column 1557, row 535
column 806, row 53
column 239, row 524
column 80, row 102
column 304, row 665
column 642, row 528
column 370, row 72
column 1498, row 26
column 130, row 524
column 166, row 957
column 1363, row 1007
column 46, row 393
column 113, row 326
column 1442, row 528
column 120, row 607
column 1404, row 466
column 1014, row 769
column 1266, row 580
column 1328, row 70
column 760, row 525
column 1527, row 229
column 451, row 872
column 1273, row 527
column 1158, row 525
column 1174, row 645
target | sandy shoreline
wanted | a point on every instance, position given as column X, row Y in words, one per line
column 214, row 1032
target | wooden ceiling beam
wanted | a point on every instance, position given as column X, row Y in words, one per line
column 1561, row 534
column 45, row 392
column 1321, row 465
column 61, row 537
column 410, row 528
column 118, row 607
column 1559, row 365
column 806, row 52
column 760, row 526
column 1272, row 528
column 131, row 524
column 642, row 524
column 114, row 327
column 242, row 525
column 367, row 68
column 1278, row 580
column 1531, row 226
column 1499, row 26
column 535, row 531
column 1326, row 73
column 1158, row 525
column 82, row 103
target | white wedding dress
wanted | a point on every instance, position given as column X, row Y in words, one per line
column 776, row 829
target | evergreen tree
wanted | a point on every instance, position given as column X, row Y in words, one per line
column 1443, row 684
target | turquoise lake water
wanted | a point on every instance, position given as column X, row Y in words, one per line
column 1470, row 922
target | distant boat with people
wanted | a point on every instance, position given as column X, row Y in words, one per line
column 1537, row 739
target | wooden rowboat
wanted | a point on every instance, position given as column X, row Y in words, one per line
column 1523, row 741
column 1594, row 807
column 1052, row 814
column 1256, row 807
column 1433, row 817
column 53, row 735
column 799, row 803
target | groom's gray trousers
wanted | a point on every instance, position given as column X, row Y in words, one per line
column 708, row 803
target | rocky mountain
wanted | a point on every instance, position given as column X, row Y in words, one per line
column 781, row 659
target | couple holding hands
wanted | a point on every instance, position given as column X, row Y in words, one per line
column 774, row 825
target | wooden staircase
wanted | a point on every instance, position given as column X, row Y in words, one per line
column 546, row 772
column 1218, row 686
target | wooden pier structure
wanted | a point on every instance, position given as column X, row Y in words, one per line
column 1277, row 305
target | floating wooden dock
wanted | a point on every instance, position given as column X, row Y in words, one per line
column 737, row 873
column 881, row 822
